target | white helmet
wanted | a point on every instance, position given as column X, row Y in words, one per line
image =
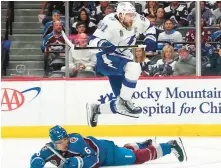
column 125, row 7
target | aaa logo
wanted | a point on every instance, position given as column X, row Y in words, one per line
column 13, row 99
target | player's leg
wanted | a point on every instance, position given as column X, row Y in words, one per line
column 116, row 83
column 123, row 84
column 132, row 73
column 145, row 151
column 123, row 156
column 94, row 110
column 112, row 107
column 114, row 69
column 124, row 105
column 119, row 105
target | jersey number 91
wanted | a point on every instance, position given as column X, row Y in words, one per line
column 102, row 26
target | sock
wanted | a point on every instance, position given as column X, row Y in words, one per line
column 108, row 108
column 127, row 89
column 132, row 73
column 166, row 148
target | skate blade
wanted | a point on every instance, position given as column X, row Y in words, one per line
column 88, row 109
column 183, row 148
column 131, row 115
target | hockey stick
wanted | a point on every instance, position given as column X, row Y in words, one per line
column 56, row 153
column 67, row 40
column 86, row 48
column 133, row 46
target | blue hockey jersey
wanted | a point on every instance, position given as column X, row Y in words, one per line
column 94, row 152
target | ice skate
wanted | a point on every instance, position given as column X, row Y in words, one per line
column 127, row 108
column 92, row 114
column 146, row 143
column 178, row 150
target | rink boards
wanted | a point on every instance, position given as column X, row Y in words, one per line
column 170, row 107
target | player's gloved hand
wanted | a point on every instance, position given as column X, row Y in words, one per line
column 108, row 47
column 73, row 162
column 37, row 163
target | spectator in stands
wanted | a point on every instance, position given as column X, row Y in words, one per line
column 5, row 52
column 84, row 17
column 99, row 11
column 101, row 8
column 216, row 37
column 101, row 15
column 49, row 25
column 80, row 28
column 141, row 58
column 191, row 34
column 160, row 18
column 52, row 5
column 177, row 13
column 206, row 14
column 88, row 5
column 169, row 35
column 152, row 19
column 80, row 60
column 151, row 8
column 186, row 65
column 166, row 64
column 217, row 13
column 207, row 49
column 55, row 37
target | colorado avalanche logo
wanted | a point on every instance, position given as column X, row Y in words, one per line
column 73, row 140
column 54, row 162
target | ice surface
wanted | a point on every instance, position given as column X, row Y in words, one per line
column 201, row 152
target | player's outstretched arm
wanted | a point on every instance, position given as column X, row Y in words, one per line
column 38, row 160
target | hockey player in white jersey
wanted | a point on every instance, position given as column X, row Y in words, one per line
column 120, row 29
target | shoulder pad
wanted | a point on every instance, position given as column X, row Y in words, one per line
column 110, row 17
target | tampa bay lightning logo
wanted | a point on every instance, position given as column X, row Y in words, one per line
column 127, row 42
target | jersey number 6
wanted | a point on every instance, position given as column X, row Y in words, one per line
column 87, row 150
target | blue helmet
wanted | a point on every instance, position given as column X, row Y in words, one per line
column 57, row 133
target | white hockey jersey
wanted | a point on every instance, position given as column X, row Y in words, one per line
column 112, row 30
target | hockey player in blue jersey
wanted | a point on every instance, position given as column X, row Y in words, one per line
column 89, row 152
column 120, row 29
